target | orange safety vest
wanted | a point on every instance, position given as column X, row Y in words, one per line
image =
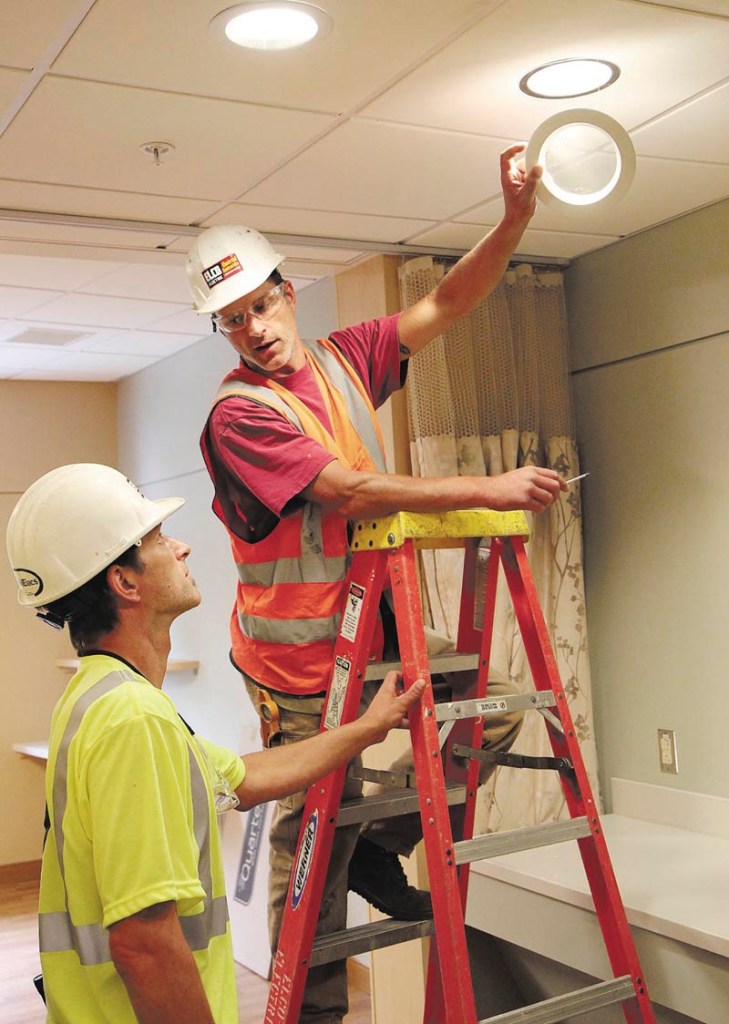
column 291, row 585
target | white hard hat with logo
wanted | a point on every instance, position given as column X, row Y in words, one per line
column 72, row 523
column 227, row 262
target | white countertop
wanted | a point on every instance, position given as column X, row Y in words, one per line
column 672, row 881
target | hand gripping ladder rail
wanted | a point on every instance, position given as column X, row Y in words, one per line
column 385, row 554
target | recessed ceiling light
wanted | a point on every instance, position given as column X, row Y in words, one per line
column 564, row 79
column 271, row 24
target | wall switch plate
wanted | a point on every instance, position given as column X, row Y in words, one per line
column 667, row 754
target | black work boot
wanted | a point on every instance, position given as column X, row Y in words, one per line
column 378, row 876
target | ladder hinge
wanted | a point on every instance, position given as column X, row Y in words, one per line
column 563, row 765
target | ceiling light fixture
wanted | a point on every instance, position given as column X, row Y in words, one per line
column 565, row 79
column 271, row 24
column 586, row 156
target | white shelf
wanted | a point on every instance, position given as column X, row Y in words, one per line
column 37, row 750
column 71, row 664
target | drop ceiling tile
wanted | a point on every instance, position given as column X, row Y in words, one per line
column 316, row 269
column 17, row 330
column 314, row 253
column 22, row 358
column 96, row 202
column 27, row 31
column 185, row 321
column 10, row 82
column 546, row 244
column 689, row 125
column 368, row 46
column 473, row 85
column 163, row 283
column 351, row 170
column 40, row 248
column 99, row 128
column 21, row 301
column 101, row 311
column 153, row 344
column 701, row 6
column 318, row 223
column 87, row 366
column 9, row 329
column 103, row 238
column 63, row 275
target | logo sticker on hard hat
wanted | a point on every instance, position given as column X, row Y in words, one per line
column 30, row 582
column 221, row 270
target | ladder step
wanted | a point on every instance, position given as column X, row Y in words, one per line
column 497, row 843
column 438, row 664
column 367, row 937
column 389, row 805
column 553, row 1011
column 494, row 705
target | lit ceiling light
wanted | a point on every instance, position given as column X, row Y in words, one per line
column 271, row 24
column 586, row 156
column 565, row 79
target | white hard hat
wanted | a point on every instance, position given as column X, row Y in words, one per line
column 73, row 522
column 227, row 262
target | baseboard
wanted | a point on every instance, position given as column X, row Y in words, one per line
column 358, row 976
column 26, row 871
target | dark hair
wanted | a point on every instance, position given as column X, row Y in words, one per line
column 91, row 611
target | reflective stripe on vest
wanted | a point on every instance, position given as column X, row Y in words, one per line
column 289, row 631
column 312, row 567
column 358, row 411
column 57, row 932
column 230, row 388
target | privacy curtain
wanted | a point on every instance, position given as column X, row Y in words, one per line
column 491, row 395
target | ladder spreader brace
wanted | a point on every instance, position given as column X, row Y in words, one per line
column 446, row 767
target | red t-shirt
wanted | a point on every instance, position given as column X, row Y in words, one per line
column 259, row 463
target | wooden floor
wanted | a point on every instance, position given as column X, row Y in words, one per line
column 19, row 962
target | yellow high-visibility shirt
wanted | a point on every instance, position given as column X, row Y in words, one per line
column 133, row 824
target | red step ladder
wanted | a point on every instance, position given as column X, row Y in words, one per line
column 385, row 554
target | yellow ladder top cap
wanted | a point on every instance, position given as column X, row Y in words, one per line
column 392, row 531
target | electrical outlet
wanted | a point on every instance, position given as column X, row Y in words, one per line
column 667, row 754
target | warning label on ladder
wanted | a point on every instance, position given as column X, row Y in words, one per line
column 337, row 690
column 352, row 612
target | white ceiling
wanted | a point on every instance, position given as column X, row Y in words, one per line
column 383, row 136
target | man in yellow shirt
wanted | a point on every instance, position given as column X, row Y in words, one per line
column 133, row 919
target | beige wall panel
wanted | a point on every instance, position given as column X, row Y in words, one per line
column 659, row 288
column 653, row 430
column 46, row 424
column 43, row 425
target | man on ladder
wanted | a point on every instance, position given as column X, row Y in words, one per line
column 294, row 452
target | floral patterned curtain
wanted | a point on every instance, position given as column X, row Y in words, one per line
column 491, row 395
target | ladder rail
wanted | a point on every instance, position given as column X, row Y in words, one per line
column 318, row 823
column 580, row 801
column 451, row 946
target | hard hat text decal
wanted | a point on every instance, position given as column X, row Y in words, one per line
column 222, row 270
column 30, row 582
